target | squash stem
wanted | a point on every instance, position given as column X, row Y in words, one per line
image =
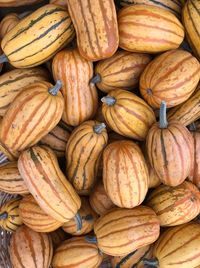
column 151, row 262
column 109, row 100
column 96, row 79
column 78, row 220
column 88, row 217
column 98, row 128
column 91, row 239
column 163, row 115
column 54, row 90
column 3, row 216
column 3, row 58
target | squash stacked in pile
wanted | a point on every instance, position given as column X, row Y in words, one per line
column 99, row 103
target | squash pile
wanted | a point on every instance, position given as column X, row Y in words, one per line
column 99, row 133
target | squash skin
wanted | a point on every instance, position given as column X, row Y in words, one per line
column 75, row 72
column 121, row 231
column 7, row 23
column 99, row 39
column 173, row 77
column 25, row 244
column 55, row 195
column 148, row 29
column 16, row 3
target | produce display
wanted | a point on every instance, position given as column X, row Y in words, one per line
column 99, row 134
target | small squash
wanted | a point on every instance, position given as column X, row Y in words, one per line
column 62, row 3
column 10, row 219
column 7, row 23
column 30, row 249
column 127, row 114
column 83, row 152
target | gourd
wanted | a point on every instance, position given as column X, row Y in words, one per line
column 170, row 149
column 7, row 23
column 16, row 3
column 125, row 174
column 75, row 72
column 83, row 152
column 96, row 27
column 173, row 77
column 121, row 231
column 175, row 205
column 35, row 218
column 10, row 219
column 10, row 179
column 127, row 114
column 148, row 29
column 38, row 37
column 32, row 114
column 62, row 3
column 52, row 191
column 121, row 71
column 30, row 249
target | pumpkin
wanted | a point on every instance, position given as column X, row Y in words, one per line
column 10, row 180
column 13, row 82
column 83, row 152
column 52, row 191
column 173, row 76
column 30, row 249
column 77, row 252
column 16, row 3
column 191, row 21
column 175, row 205
column 170, row 149
column 32, row 114
column 80, row 97
column 7, row 23
column 35, row 218
column 171, row 6
column 127, row 114
column 96, row 27
column 99, row 200
column 88, row 218
column 121, row 231
column 121, row 71
column 133, row 259
column 10, row 219
column 38, row 37
column 58, row 236
column 125, row 174
column 148, row 29
column 62, row 3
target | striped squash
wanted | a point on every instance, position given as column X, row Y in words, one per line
column 99, row 200
column 178, row 247
column 51, row 190
column 30, row 249
column 83, row 152
column 173, row 6
column 35, row 218
column 10, row 179
column 77, row 252
column 16, row 3
column 121, row 71
column 62, row 3
column 58, row 236
column 32, row 114
column 125, row 174
column 38, row 37
column 172, row 77
column 75, row 72
column 7, row 23
column 96, row 27
column 133, row 259
column 99, row 117
column 175, row 205
column 187, row 112
column 148, row 29
column 127, row 114
column 191, row 21
column 10, row 219
column 121, row 231
column 170, row 148
column 13, row 82
column 88, row 218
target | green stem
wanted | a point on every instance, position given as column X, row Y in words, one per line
column 163, row 115
column 91, row 239
column 96, row 79
column 98, row 128
column 54, row 90
column 3, row 216
column 78, row 220
column 151, row 262
column 109, row 100
column 3, row 58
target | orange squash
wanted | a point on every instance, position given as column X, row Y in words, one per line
column 173, row 77
column 127, row 114
column 80, row 97
column 16, row 3
column 7, row 23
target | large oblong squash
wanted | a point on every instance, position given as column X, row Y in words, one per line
column 75, row 72
column 96, row 27
column 52, row 191
column 33, row 113
column 38, row 37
